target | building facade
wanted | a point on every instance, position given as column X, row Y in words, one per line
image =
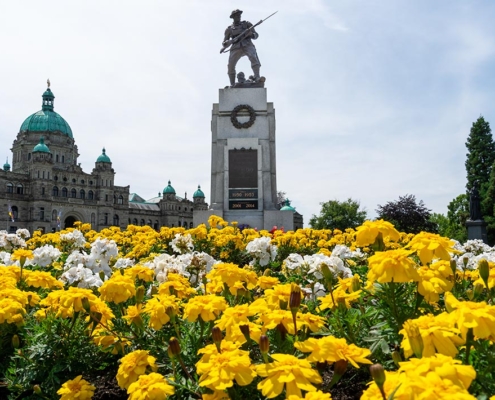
column 46, row 188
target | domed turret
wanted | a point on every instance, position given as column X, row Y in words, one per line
column 287, row 206
column 103, row 158
column 169, row 189
column 6, row 166
column 46, row 120
column 198, row 193
column 41, row 147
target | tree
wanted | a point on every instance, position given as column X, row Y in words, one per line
column 407, row 215
column 458, row 214
column 480, row 159
column 339, row 215
column 441, row 223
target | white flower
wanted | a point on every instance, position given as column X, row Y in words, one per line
column 310, row 266
column 10, row 241
column 182, row 243
column 124, row 263
column 75, row 237
column 84, row 277
column 262, row 251
column 5, row 258
column 23, row 233
column 44, row 255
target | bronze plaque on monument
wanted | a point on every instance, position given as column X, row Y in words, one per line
column 243, row 169
column 243, row 179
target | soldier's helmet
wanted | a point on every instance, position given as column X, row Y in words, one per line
column 236, row 11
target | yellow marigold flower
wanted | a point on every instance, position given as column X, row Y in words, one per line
column 491, row 276
column 328, row 300
column 42, row 279
column 22, row 255
column 439, row 335
column 235, row 334
column 434, row 280
column 267, row 282
column 367, row 233
column 133, row 365
column 271, row 319
column 332, row 349
column 289, row 371
column 207, row 307
column 445, row 367
column 431, row 245
column 176, row 285
column 157, row 307
column 216, row 395
column 232, row 316
column 133, row 314
column 312, row 396
column 211, row 349
column 11, row 311
column 313, row 322
column 231, row 275
column 150, row 387
column 25, row 298
column 468, row 314
column 392, row 265
column 278, row 294
column 117, row 289
column 220, row 370
column 76, row 388
column 104, row 339
column 65, row 302
column 141, row 272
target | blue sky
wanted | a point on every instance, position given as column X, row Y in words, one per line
column 373, row 99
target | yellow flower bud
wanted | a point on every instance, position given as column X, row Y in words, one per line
column 470, row 294
column 339, row 367
column 378, row 375
column 484, row 270
column 16, row 342
column 415, row 338
column 86, row 305
column 246, row 332
column 217, row 336
column 478, row 289
column 267, row 272
column 37, row 389
column 264, row 347
column 295, row 297
column 396, row 357
column 173, row 347
column 356, row 283
column 140, row 294
column 327, row 273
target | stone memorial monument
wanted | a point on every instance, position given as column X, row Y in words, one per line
column 243, row 159
column 476, row 226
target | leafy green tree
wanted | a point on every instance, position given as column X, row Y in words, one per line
column 335, row 214
column 441, row 222
column 458, row 214
column 407, row 215
column 480, row 159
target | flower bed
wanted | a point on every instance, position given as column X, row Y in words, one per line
column 221, row 312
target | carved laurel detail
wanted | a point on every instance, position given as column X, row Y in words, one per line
column 243, row 125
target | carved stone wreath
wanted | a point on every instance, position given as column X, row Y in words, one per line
column 243, row 125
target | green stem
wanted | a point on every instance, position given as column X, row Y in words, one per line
column 395, row 311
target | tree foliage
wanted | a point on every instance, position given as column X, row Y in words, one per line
column 335, row 214
column 458, row 214
column 407, row 215
column 480, row 159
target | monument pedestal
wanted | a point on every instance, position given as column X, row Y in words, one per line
column 243, row 161
column 476, row 230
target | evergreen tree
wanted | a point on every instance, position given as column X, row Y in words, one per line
column 480, row 159
column 457, row 215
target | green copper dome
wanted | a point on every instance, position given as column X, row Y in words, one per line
column 6, row 166
column 169, row 189
column 287, row 206
column 103, row 157
column 198, row 193
column 46, row 120
column 41, row 147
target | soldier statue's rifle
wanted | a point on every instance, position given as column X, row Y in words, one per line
column 238, row 38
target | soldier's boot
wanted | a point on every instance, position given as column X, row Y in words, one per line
column 232, row 79
column 256, row 71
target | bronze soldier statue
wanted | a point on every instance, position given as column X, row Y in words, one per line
column 241, row 47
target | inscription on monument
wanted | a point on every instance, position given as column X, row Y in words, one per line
column 243, row 179
column 243, row 169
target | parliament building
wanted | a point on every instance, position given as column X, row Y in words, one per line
column 46, row 189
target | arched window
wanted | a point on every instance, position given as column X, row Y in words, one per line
column 191, row 225
column 120, row 200
column 82, row 194
column 73, row 193
column 90, row 195
column 54, row 215
column 15, row 212
column 19, row 189
column 55, row 191
column 134, row 221
column 56, row 158
column 64, row 192
column 142, row 222
column 93, row 219
column 149, row 223
column 114, row 199
column 156, row 226
column 10, row 188
column 116, row 220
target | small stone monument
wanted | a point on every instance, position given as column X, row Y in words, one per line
column 476, row 226
column 243, row 158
